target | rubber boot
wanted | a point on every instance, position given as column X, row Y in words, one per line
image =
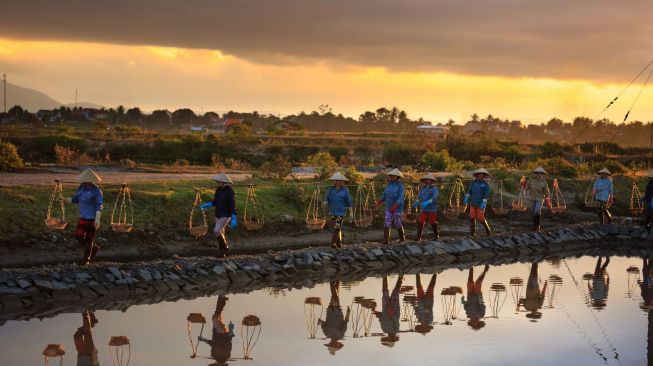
column 486, row 225
column 222, row 246
column 436, row 231
column 402, row 234
column 334, row 239
column 601, row 220
column 339, row 238
column 88, row 249
column 536, row 222
column 420, row 230
column 608, row 216
column 94, row 251
column 386, row 235
column 472, row 228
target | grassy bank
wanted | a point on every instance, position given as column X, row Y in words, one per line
column 161, row 210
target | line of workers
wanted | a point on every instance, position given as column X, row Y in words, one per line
column 89, row 198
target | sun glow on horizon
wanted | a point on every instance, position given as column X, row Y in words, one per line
column 155, row 77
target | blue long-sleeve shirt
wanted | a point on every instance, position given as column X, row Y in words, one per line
column 648, row 192
column 429, row 192
column 479, row 190
column 90, row 200
column 603, row 188
column 394, row 194
column 224, row 202
column 339, row 201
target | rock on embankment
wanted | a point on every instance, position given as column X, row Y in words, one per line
column 49, row 290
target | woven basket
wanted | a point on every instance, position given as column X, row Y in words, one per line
column 316, row 224
column 198, row 231
column 450, row 213
column 592, row 204
column 519, row 207
column 122, row 228
column 364, row 221
column 636, row 211
column 56, row 224
column 253, row 225
column 558, row 209
column 500, row 211
column 409, row 217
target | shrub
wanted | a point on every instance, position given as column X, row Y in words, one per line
column 354, row 176
column 436, row 160
column 398, row 154
column 613, row 166
column 338, row 152
column 324, row 163
column 9, row 158
column 278, row 168
column 67, row 155
column 557, row 166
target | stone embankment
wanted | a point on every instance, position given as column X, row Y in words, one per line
column 47, row 291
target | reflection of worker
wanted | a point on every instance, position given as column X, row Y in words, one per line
column 646, row 285
column 389, row 315
column 221, row 342
column 335, row 325
column 534, row 297
column 86, row 351
column 600, row 284
column 474, row 304
column 424, row 307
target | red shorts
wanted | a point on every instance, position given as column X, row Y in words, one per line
column 85, row 231
column 432, row 217
column 476, row 213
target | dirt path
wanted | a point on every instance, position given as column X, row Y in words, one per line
column 108, row 177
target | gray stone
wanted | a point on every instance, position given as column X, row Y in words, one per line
column 83, row 276
column 143, row 274
column 23, row 283
column 219, row 270
column 115, row 272
column 43, row 284
column 156, row 274
column 377, row 252
column 415, row 250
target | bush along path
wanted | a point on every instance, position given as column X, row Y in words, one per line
column 48, row 290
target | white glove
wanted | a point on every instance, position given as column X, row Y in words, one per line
column 68, row 200
column 98, row 215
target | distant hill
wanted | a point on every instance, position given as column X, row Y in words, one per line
column 33, row 100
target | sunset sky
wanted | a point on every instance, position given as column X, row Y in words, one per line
column 515, row 59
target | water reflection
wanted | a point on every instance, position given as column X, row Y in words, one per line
column 87, row 353
column 405, row 310
column 335, row 325
column 474, row 304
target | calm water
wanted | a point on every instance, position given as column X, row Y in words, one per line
column 566, row 313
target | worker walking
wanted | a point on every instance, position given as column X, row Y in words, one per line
column 476, row 198
column 539, row 194
column 339, row 201
column 224, row 202
column 393, row 196
column 427, row 200
column 89, row 198
column 604, row 193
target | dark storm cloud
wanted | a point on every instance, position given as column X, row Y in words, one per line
column 600, row 40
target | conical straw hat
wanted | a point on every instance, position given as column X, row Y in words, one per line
column 481, row 171
column 428, row 176
column 223, row 178
column 539, row 169
column 396, row 173
column 605, row 171
column 339, row 176
column 89, row 175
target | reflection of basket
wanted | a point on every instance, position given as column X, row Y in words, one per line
column 54, row 350
column 405, row 289
column 251, row 320
column 316, row 224
column 368, row 303
column 516, row 281
column 196, row 318
column 313, row 301
column 253, row 225
column 198, row 231
column 498, row 287
column 117, row 341
column 122, row 228
column 54, row 223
